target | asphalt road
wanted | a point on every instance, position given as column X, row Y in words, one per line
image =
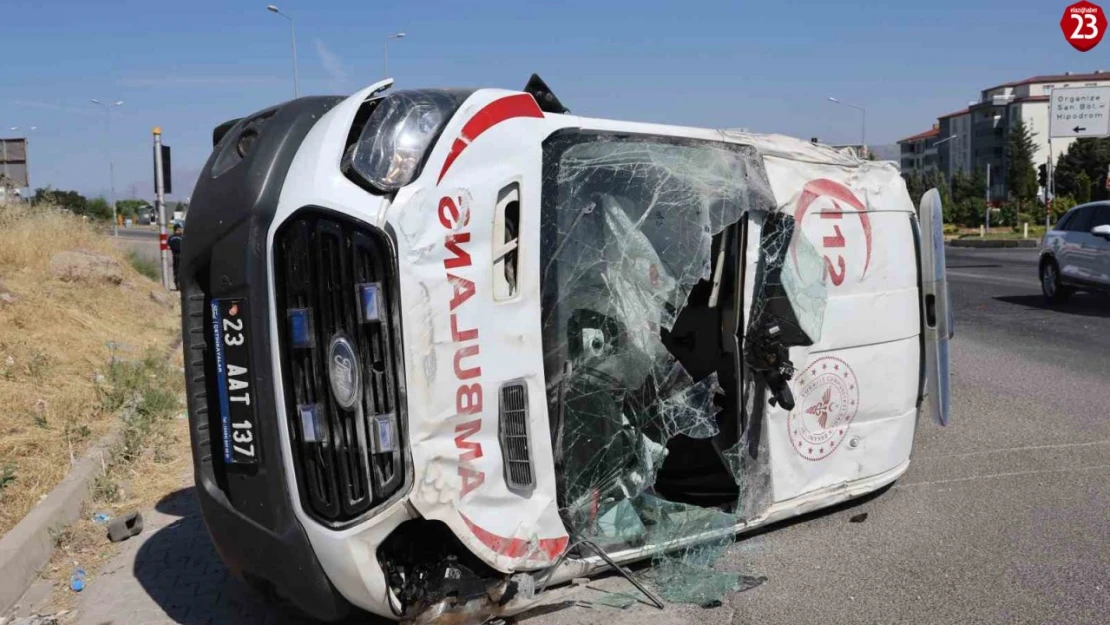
column 1002, row 516
column 140, row 233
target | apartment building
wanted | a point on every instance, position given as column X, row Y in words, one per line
column 919, row 152
column 979, row 135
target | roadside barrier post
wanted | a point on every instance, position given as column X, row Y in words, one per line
column 160, row 207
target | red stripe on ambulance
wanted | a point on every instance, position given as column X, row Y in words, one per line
column 510, row 107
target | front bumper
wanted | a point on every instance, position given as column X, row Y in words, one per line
column 250, row 515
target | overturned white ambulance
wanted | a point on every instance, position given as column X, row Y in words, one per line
column 449, row 349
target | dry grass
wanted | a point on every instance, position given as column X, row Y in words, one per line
column 56, row 342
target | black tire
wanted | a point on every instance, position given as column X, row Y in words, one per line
column 1054, row 292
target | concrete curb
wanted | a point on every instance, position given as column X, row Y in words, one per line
column 994, row 243
column 27, row 547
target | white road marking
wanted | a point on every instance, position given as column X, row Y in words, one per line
column 994, row 475
column 1007, row 449
column 978, row 277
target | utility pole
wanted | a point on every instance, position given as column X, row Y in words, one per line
column 385, row 51
column 1050, row 183
column 293, row 38
column 988, row 198
column 160, row 208
column 862, row 124
column 111, row 165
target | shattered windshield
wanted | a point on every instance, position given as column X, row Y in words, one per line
column 642, row 271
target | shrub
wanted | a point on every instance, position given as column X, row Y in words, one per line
column 142, row 265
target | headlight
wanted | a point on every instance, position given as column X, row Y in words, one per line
column 391, row 148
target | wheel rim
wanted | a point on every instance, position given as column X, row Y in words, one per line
column 1049, row 281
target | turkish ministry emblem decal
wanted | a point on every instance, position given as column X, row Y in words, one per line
column 828, row 398
column 1083, row 24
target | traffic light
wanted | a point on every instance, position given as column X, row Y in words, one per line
column 1042, row 176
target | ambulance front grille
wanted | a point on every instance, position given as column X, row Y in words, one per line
column 342, row 470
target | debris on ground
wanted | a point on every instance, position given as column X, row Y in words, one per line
column 77, row 580
column 36, row 619
column 101, row 518
column 859, row 518
column 618, row 600
column 124, row 527
column 82, row 266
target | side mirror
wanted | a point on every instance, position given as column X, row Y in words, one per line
column 1102, row 231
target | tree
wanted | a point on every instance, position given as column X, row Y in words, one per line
column 130, row 208
column 1062, row 204
column 970, row 212
column 961, row 186
column 978, row 187
column 1087, row 155
column 1082, row 192
column 99, row 208
column 915, row 186
column 71, row 200
column 1021, row 174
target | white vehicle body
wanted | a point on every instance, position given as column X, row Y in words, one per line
column 467, row 331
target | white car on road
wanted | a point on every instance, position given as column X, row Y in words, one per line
column 1075, row 254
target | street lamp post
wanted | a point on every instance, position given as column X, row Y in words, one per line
column 863, row 122
column 385, row 56
column 942, row 142
column 293, row 37
column 111, row 165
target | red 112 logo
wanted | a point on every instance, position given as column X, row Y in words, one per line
column 1083, row 24
column 833, row 201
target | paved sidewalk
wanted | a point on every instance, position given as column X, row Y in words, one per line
column 171, row 574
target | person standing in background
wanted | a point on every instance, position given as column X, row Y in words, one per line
column 175, row 249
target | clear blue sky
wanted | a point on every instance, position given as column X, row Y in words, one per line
column 769, row 66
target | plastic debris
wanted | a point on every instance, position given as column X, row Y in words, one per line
column 124, row 527
column 77, row 580
column 101, row 518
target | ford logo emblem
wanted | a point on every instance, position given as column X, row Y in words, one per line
column 343, row 372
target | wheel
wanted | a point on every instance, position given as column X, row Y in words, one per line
column 1053, row 290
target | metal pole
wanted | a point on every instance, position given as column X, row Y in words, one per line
column 293, row 36
column 988, row 198
column 160, row 207
column 112, row 174
column 1050, row 183
column 385, row 51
